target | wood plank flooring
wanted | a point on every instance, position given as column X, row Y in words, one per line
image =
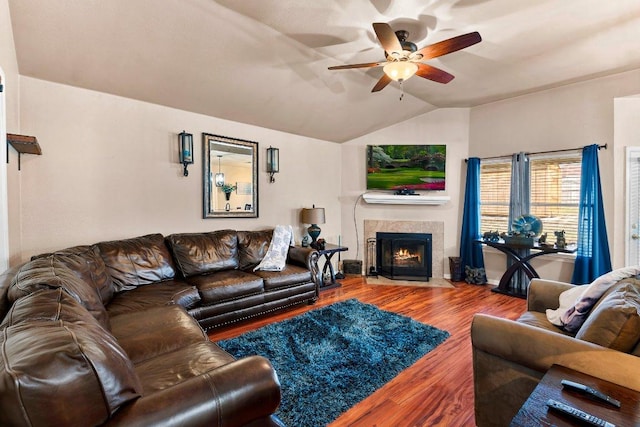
column 438, row 389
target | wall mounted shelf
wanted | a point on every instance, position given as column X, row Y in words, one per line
column 392, row 199
column 23, row 145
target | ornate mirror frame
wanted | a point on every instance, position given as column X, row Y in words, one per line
column 237, row 159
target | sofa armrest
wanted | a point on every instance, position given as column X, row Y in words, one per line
column 544, row 294
column 306, row 257
column 235, row 394
column 538, row 349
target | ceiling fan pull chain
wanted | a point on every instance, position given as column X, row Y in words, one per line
column 402, row 93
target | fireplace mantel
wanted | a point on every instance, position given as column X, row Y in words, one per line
column 392, row 199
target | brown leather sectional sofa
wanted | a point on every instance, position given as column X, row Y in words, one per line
column 113, row 333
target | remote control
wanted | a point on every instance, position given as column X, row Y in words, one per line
column 597, row 394
column 578, row 414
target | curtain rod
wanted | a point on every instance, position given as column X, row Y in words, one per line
column 600, row 147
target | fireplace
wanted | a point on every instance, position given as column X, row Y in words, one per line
column 404, row 256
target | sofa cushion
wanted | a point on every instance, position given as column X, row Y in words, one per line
column 252, row 247
column 576, row 303
column 177, row 366
column 615, row 321
column 204, row 253
column 145, row 334
column 79, row 366
column 539, row 320
column 86, row 263
column 50, row 273
column 154, row 295
column 227, row 285
column 138, row 261
column 47, row 305
column 290, row 275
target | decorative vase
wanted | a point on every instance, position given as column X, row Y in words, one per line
column 227, row 207
column 227, row 196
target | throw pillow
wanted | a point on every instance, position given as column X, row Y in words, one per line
column 276, row 256
column 615, row 322
column 572, row 314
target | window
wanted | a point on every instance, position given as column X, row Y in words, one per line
column 495, row 181
column 554, row 198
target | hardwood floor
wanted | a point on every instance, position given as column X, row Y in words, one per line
column 438, row 389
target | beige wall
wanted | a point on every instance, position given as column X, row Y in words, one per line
column 567, row 117
column 9, row 181
column 109, row 170
column 444, row 126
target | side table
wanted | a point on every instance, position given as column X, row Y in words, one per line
column 534, row 412
column 328, row 252
column 522, row 263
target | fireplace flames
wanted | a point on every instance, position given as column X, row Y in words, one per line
column 404, row 257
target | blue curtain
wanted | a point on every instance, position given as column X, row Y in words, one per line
column 470, row 251
column 593, row 258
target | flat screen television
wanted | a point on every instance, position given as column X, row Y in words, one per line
column 409, row 167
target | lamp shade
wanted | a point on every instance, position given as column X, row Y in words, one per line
column 312, row 216
column 400, row 70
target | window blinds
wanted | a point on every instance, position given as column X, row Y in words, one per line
column 555, row 192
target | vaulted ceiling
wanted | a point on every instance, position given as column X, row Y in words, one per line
column 264, row 62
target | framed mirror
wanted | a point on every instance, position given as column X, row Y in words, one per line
column 230, row 177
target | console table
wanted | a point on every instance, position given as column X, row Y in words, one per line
column 534, row 412
column 328, row 252
column 521, row 263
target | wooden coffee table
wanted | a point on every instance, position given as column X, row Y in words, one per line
column 534, row 412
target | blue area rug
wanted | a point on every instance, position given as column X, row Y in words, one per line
column 333, row 357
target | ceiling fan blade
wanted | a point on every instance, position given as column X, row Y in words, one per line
column 387, row 37
column 382, row 83
column 450, row 45
column 432, row 73
column 364, row 65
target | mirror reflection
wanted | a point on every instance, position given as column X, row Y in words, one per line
column 230, row 177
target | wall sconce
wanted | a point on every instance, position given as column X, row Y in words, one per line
column 185, row 147
column 219, row 177
column 273, row 162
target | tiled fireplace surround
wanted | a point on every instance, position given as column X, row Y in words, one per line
column 435, row 228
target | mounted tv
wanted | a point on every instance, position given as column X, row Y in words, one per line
column 406, row 168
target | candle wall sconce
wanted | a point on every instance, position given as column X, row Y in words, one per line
column 273, row 162
column 185, row 147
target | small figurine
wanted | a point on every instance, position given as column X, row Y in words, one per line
column 305, row 241
column 543, row 239
column 561, row 243
column 318, row 244
column 491, row 236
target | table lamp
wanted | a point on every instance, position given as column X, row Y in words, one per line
column 313, row 216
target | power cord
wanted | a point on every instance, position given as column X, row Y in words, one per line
column 355, row 224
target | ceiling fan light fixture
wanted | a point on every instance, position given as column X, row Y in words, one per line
column 400, row 70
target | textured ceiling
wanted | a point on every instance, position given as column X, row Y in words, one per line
column 264, row 62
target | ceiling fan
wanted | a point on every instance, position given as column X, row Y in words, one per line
column 403, row 59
